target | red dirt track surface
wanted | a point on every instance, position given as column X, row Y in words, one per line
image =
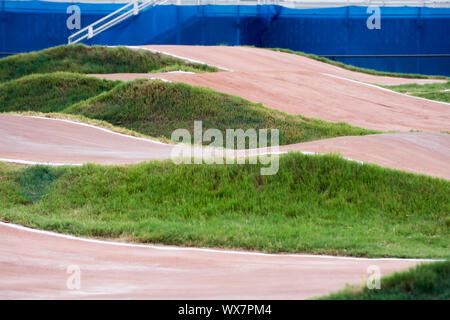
column 299, row 85
column 55, row 141
column 426, row 153
column 33, row 264
column 50, row 141
column 130, row 272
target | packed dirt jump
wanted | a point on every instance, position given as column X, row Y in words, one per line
column 34, row 263
column 299, row 85
column 28, row 140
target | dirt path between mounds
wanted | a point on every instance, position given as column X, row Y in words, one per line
column 43, row 140
column 34, row 265
column 299, row 85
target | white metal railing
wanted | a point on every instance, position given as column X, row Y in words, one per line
column 293, row 3
column 135, row 6
column 364, row 3
column 321, row 3
column 131, row 9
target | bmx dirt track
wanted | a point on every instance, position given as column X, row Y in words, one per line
column 25, row 139
column 299, row 85
column 111, row 271
column 34, row 265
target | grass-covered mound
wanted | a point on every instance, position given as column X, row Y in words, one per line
column 157, row 108
column 432, row 91
column 95, row 59
column 430, row 281
column 51, row 92
column 317, row 204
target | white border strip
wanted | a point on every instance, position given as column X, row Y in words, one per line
column 171, row 248
column 307, row 153
column 160, row 79
column 56, row 164
column 384, row 89
column 26, row 162
column 175, row 56
column 93, row 127
column 308, row 4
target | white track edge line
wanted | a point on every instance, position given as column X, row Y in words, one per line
column 384, row 89
column 96, row 127
column 56, row 164
column 171, row 248
column 26, row 162
column 175, row 56
column 325, row 74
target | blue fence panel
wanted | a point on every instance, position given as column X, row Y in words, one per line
column 34, row 25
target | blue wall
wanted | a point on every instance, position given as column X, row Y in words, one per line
column 33, row 25
column 343, row 31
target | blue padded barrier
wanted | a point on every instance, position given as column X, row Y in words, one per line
column 340, row 33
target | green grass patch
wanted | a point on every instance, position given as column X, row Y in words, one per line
column 316, row 204
column 429, row 281
column 432, row 91
column 157, row 108
column 35, row 182
column 94, row 59
column 358, row 69
column 51, row 92
column 177, row 67
column 10, row 194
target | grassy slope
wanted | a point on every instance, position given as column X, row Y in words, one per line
column 95, row 59
column 320, row 204
column 49, row 92
column 424, row 282
column 157, row 108
column 358, row 69
column 432, row 91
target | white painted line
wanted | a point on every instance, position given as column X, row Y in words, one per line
column 171, row 248
column 26, row 162
column 56, row 164
column 175, row 56
column 308, row 153
column 161, row 79
column 384, row 89
column 179, row 72
column 98, row 128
